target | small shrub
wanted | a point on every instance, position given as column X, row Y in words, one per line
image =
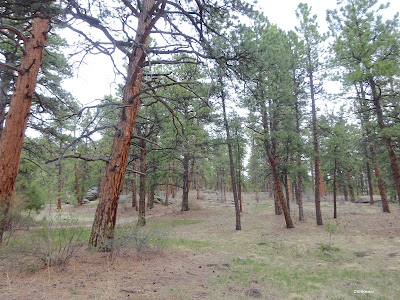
column 56, row 242
column 143, row 240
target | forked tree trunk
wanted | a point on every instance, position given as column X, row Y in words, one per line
column 104, row 222
column 279, row 192
column 278, row 195
column 12, row 136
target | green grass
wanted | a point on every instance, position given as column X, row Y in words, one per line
column 187, row 244
column 168, row 224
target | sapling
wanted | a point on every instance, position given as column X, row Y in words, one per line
column 331, row 228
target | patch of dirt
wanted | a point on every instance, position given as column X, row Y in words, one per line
column 193, row 273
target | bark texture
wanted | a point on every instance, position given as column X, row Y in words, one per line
column 104, row 222
column 12, row 136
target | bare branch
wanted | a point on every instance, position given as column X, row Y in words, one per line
column 17, row 32
column 9, row 67
column 78, row 156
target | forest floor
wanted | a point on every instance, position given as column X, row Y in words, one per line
column 199, row 255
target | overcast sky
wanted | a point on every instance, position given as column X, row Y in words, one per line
column 95, row 78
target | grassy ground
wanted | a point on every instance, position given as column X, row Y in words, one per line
column 199, row 255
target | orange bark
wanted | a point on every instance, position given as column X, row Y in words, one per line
column 106, row 214
column 17, row 118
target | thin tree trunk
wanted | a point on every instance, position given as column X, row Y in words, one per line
column 287, row 192
column 299, row 196
column 167, row 195
column 370, row 184
column 198, row 187
column 78, row 198
column 350, row 185
column 231, row 161
column 191, row 173
column 12, row 136
column 59, row 185
column 142, row 185
column 317, row 167
column 389, row 144
column 134, row 185
column 185, row 192
column 104, row 222
column 334, row 190
column 346, row 196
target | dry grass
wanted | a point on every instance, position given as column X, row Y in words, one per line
column 205, row 258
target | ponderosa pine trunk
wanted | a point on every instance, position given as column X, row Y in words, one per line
column 13, row 133
column 278, row 195
column 150, row 198
column 231, row 160
column 317, row 163
column 142, row 184
column 298, row 183
column 185, row 191
column 79, row 199
column 381, row 183
column 350, row 185
column 134, row 185
column 59, row 166
column 105, row 218
column 334, row 190
column 388, row 140
column 370, row 184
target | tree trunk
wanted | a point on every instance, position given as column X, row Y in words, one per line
column 334, row 190
column 287, row 192
column 299, row 196
column 279, row 197
column 231, row 160
column 12, row 136
column 198, row 186
column 77, row 192
column 346, row 196
column 167, row 195
column 317, row 167
column 389, row 144
column 150, row 198
column 59, row 185
column 134, row 185
column 104, row 222
column 279, row 192
column 370, row 184
column 142, row 184
column 381, row 183
column 350, row 185
column 185, row 192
